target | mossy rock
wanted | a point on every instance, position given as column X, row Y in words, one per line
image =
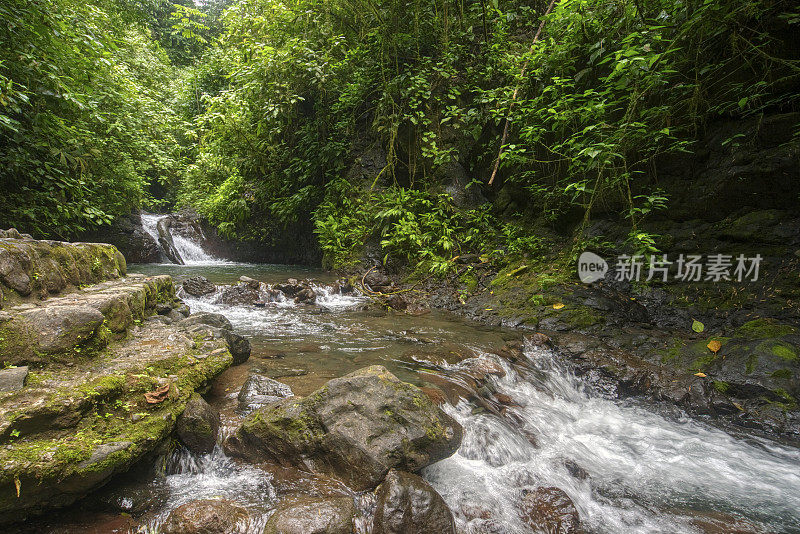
column 355, row 428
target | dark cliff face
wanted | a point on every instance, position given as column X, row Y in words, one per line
column 127, row 234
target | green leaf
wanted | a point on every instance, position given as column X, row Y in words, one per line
column 697, row 326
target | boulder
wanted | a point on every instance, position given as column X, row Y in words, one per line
column 197, row 286
column 240, row 293
column 198, row 426
column 13, row 378
column 409, row 505
column 550, row 510
column 207, row 516
column 260, row 390
column 217, row 320
column 251, row 282
column 290, row 288
column 306, row 296
column 333, row 515
column 238, row 345
column 354, row 428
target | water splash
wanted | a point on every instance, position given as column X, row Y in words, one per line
column 191, row 253
column 646, row 472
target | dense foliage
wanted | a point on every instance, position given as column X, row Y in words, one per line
column 379, row 123
column 311, row 89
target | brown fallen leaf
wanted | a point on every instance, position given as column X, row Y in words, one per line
column 157, row 395
column 17, row 484
column 714, row 346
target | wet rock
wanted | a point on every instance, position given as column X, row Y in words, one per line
column 550, row 510
column 313, row 516
column 575, row 470
column 13, row 379
column 239, row 294
column 238, row 345
column 290, row 288
column 355, row 428
column 166, row 241
column 306, row 296
column 132, row 497
column 482, row 368
column 375, row 279
column 260, row 390
column 163, row 308
column 182, row 308
column 409, row 505
column 198, row 426
column 207, row 516
column 217, row 320
column 197, row 286
column 539, row 340
column 251, row 282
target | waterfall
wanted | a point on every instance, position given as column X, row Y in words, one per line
column 182, row 249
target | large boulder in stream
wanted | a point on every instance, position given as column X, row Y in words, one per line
column 197, row 286
column 409, row 505
column 198, row 426
column 207, row 516
column 259, row 390
column 355, row 428
column 332, row 515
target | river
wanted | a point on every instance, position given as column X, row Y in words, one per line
column 629, row 466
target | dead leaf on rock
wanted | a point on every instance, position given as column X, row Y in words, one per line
column 558, row 305
column 701, row 375
column 714, row 346
column 157, row 395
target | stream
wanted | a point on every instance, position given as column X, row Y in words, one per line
column 629, row 466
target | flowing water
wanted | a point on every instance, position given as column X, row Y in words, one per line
column 628, row 466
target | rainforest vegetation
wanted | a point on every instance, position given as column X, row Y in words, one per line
column 374, row 120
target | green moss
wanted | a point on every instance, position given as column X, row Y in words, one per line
column 784, row 351
column 764, row 328
column 783, row 374
column 721, row 386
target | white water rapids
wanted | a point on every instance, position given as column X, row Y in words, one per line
column 646, row 468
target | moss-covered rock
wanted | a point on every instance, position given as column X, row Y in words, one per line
column 355, row 428
column 35, row 269
column 72, row 427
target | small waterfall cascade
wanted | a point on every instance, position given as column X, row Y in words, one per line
column 182, row 249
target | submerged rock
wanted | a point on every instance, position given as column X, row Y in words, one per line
column 197, row 286
column 355, row 428
column 409, row 505
column 198, row 426
column 260, row 390
column 550, row 510
column 207, row 516
column 332, row 515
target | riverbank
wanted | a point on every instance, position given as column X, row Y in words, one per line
column 723, row 349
